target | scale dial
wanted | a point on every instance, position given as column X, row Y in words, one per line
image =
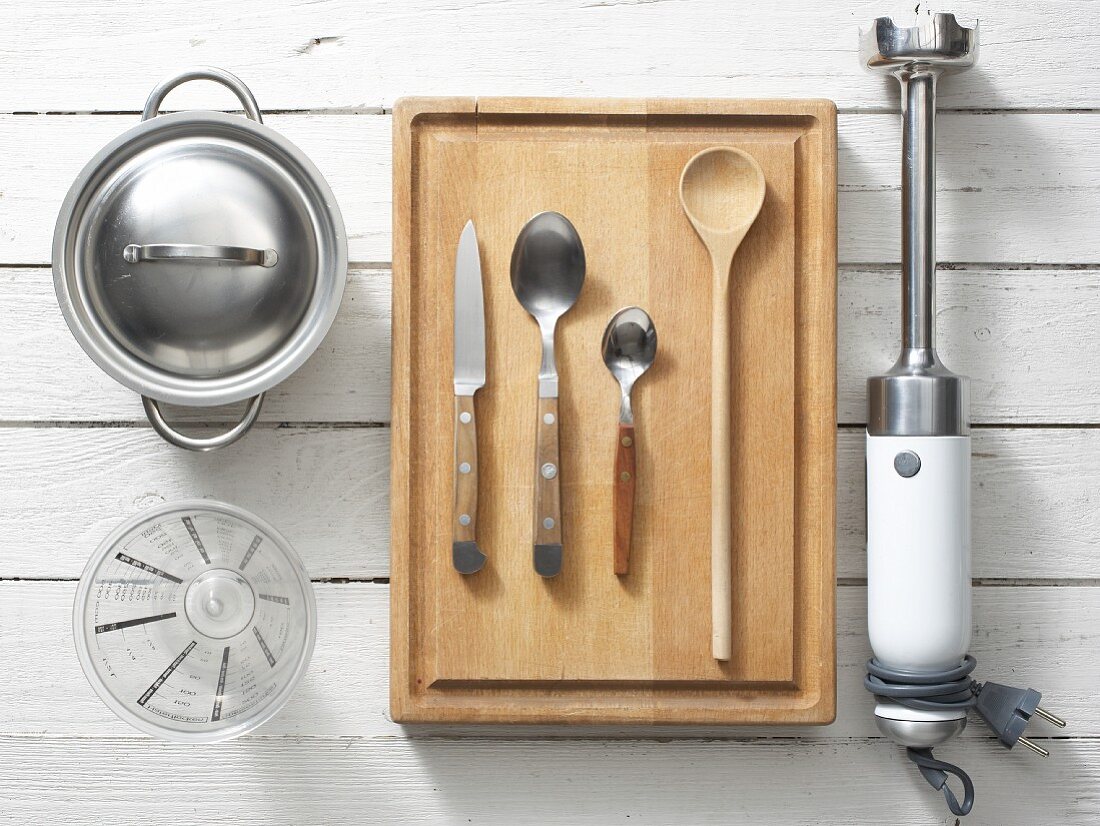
column 194, row 621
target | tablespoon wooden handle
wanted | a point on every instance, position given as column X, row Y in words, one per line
column 548, row 545
column 623, row 497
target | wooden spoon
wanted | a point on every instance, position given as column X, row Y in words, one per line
column 722, row 190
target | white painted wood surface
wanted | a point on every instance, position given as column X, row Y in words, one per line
column 327, row 488
column 363, row 54
column 1019, row 187
column 1012, row 187
column 1027, row 337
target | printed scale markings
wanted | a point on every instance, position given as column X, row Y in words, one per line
column 273, row 598
column 145, row 566
column 263, row 645
column 196, row 539
column 159, row 681
column 251, row 550
column 118, row 626
column 217, row 712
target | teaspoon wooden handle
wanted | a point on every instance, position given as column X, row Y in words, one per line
column 623, row 497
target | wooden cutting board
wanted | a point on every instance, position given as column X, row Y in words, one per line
column 505, row 645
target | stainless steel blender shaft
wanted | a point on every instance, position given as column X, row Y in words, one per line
column 918, row 209
column 919, row 396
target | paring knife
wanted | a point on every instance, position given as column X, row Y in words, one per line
column 469, row 377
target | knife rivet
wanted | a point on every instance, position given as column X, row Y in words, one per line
column 464, row 467
column 464, row 417
column 464, row 520
column 625, row 476
column 549, row 471
column 627, row 441
column 548, row 418
column 548, row 523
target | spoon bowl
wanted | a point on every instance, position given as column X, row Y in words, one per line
column 629, row 349
column 548, row 266
column 722, row 190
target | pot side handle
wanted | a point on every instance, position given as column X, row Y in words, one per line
column 234, row 83
column 203, row 445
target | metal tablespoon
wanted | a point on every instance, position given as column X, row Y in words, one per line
column 721, row 190
column 629, row 348
column 548, row 269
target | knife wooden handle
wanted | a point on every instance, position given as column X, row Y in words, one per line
column 465, row 554
column 623, row 497
column 548, row 546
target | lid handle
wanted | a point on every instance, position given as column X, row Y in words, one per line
column 156, row 97
column 134, row 253
column 174, row 437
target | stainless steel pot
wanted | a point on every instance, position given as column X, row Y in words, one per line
column 199, row 259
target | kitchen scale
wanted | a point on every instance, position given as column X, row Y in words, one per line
column 194, row 621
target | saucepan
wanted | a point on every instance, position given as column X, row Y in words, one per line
column 199, row 259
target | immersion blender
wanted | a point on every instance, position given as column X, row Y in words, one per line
column 918, row 462
column 918, row 416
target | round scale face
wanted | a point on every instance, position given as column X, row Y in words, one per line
column 194, row 621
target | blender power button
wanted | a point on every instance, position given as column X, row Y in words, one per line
column 907, row 464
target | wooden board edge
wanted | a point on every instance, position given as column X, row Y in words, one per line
column 560, row 106
column 796, row 708
column 407, row 109
column 820, row 108
column 827, row 114
column 404, row 111
column 824, row 111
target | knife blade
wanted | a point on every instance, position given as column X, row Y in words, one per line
column 469, row 377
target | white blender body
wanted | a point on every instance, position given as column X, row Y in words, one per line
column 918, row 571
column 918, row 551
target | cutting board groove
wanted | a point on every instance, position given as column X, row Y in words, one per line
column 505, row 645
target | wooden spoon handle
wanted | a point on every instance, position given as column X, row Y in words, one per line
column 548, row 545
column 623, row 499
column 721, row 560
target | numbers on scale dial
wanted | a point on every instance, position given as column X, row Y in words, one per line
column 138, row 612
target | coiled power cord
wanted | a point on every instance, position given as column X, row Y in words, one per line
column 1005, row 709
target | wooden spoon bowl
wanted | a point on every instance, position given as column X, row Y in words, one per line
column 722, row 190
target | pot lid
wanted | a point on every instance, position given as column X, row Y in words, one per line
column 200, row 257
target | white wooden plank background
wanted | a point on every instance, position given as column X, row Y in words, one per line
column 1013, row 187
column 1019, row 187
